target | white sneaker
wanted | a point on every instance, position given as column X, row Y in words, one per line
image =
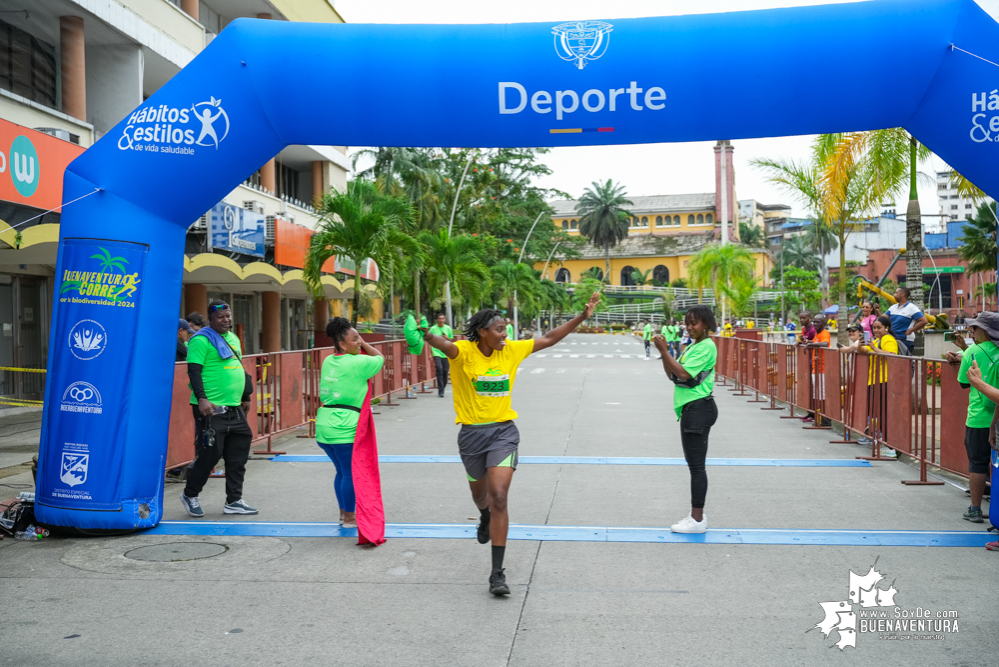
column 688, row 525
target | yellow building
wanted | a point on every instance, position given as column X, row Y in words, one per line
column 665, row 232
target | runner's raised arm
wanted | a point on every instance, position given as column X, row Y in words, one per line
column 556, row 335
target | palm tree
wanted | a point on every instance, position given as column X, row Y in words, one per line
column 553, row 298
column 740, row 295
column 716, row 265
column 457, row 260
column 593, row 273
column 358, row 224
column 509, row 277
column 889, row 159
column 840, row 201
column 822, row 240
column 602, row 217
column 796, row 251
column 641, row 277
column 752, row 235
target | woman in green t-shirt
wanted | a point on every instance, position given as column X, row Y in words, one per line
column 343, row 386
column 693, row 373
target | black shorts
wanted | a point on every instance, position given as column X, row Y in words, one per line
column 484, row 446
column 976, row 444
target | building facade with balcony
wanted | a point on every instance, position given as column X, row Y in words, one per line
column 70, row 70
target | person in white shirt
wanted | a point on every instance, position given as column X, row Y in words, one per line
column 906, row 318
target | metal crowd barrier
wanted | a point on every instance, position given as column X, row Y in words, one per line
column 912, row 405
column 286, row 393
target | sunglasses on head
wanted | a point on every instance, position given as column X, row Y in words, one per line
column 217, row 307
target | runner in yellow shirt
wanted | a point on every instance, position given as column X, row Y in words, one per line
column 483, row 371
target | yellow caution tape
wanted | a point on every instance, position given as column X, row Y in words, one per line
column 24, row 370
column 21, row 403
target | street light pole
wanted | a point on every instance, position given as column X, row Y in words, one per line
column 450, row 225
column 516, row 324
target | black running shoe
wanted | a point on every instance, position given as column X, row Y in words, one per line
column 483, row 533
column 497, row 584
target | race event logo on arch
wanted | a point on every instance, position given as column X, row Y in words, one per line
column 176, row 130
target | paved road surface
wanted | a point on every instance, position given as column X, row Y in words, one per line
column 422, row 601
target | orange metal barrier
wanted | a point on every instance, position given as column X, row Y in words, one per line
column 286, row 393
column 912, row 405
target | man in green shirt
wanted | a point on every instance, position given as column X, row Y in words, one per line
column 985, row 330
column 220, row 398
column 647, row 339
column 441, row 363
column 510, row 333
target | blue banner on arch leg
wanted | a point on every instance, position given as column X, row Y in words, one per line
column 100, row 290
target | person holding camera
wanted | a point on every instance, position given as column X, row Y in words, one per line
column 220, row 399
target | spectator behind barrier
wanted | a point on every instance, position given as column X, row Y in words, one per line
column 807, row 328
column 197, row 321
column 183, row 335
column 822, row 339
column 906, row 318
column 984, row 354
column 856, row 335
column 883, row 344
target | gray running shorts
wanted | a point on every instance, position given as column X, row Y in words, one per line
column 488, row 446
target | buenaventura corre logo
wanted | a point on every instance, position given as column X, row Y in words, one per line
column 166, row 129
column 871, row 609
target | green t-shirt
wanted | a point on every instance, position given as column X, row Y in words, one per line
column 694, row 359
column 441, row 331
column 224, row 380
column 647, row 333
column 344, row 381
column 980, row 408
column 671, row 332
column 665, row 331
column 510, row 332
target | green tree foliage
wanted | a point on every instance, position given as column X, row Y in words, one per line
column 358, row 223
column 718, row 266
column 752, row 235
column 979, row 240
column 642, row 277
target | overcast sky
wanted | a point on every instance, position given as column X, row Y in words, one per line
column 646, row 169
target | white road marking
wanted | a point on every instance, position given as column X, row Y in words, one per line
column 538, row 370
column 561, row 370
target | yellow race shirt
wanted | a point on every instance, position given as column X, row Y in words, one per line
column 482, row 385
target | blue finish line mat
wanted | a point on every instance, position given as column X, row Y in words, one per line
column 607, row 461
column 883, row 538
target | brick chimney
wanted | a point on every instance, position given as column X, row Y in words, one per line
column 731, row 205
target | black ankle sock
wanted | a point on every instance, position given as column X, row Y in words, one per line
column 498, row 558
column 485, row 515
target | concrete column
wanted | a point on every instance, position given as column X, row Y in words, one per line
column 271, row 325
column 74, row 69
column 268, row 176
column 196, row 299
column 191, row 8
column 317, row 181
column 320, row 314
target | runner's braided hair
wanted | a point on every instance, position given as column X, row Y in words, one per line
column 337, row 329
column 480, row 320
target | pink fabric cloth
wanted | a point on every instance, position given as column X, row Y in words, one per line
column 367, row 480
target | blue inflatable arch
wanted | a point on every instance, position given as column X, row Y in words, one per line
column 688, row 78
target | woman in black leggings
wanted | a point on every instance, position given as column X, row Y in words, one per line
column 693, row 373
